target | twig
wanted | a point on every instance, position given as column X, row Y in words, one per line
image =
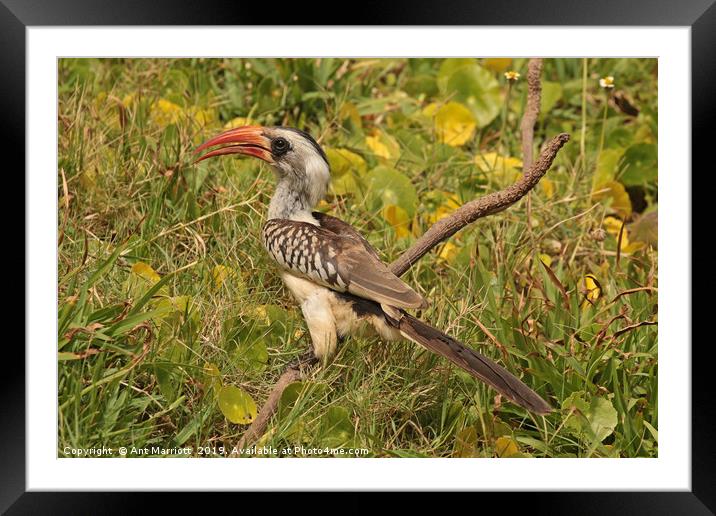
column 482, row 207
column 634, row 290
column 293, row 373
column 258, row 426
column 534, row 97
column 527, row 126
column 634, row 326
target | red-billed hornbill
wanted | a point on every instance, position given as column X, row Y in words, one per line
column 336, row 276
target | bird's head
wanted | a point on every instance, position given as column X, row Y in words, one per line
column 297, row 158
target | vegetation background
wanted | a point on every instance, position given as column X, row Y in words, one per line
column 173, row 324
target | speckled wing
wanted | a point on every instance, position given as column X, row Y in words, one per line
column 338, row 227
column 342, row 261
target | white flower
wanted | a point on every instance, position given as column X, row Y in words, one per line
column 607, row 82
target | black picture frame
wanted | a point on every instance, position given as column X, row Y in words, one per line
column 699, row 15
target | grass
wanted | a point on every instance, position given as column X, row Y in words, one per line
column 166, row 296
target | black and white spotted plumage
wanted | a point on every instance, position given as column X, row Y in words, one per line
column 340, row 260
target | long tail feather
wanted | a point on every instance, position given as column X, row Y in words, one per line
column 473, row 362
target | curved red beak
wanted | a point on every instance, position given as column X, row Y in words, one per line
column 248, row 140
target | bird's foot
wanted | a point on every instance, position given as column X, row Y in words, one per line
column 305, row 361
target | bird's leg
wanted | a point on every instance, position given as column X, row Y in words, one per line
column 321, row 325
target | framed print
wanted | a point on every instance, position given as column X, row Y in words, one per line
column 359, row 258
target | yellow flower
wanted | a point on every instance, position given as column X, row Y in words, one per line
column 512, row 76
column 607, row 82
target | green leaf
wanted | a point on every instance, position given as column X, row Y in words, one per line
column 607, row 166
column 616, row 196
column 386, row 186
column 421, row 84
column 279, row 323
column 237, row 405
column 602, row 418
column 465, row 443
column 96, row 275
column 574, row 407
column 289, row 396
column 450, row 66
column 63, row 356
column 142, row 279
column 454, row 123
column 347, row 169
column 646, row 228
column 619, row 138
column 640, row 164
column 506, row 447
column 252, row 356
column 478, row 89
column 106, row 265
column 336, row 427
column 263, row 94
column 654, row 433
column 407, row 454
column 166, row 378
column 131, row 321
column 150, row 293
column 221, row 273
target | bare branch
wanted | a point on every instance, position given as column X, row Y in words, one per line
column 534, row 97
column 482, row 207
column 293, row 373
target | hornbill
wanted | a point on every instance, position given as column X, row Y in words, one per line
column 335, row 275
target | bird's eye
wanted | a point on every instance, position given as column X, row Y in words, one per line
column 280, row 146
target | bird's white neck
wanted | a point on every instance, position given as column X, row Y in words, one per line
column 299, row 191
column 289, row 203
